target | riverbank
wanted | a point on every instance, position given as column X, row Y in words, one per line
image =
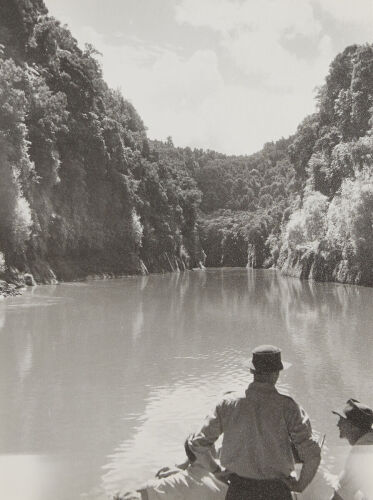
column 13, row 281
column 325, row 266
column 10, row 289
column 305, row 264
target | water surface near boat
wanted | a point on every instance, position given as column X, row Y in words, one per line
column 101, row 381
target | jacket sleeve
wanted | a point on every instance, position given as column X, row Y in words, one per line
column 300, row 432
column 203, row 441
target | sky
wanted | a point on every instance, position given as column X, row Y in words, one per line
column 227, row 75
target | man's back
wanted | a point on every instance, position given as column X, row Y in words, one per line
column 261, row 417
column 258, row 430
column 258, row 427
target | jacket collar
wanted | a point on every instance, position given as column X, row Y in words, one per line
column 260, row 387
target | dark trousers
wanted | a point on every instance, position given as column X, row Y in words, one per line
column 241, row 488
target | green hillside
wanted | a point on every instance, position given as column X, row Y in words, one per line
column 84, row 192
column 80, row 192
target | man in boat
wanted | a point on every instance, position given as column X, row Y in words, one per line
column 355, row 424
column 259, row 430
column 190, row 480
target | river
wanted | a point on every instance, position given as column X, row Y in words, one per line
column 101, row 381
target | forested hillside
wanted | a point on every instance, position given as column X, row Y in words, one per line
column 83, row 191
column 304, row 204
column 80, row 192
column 330, row 232
column 245, row 200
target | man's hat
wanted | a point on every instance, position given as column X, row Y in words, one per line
column 357, row 413
column 267, row 359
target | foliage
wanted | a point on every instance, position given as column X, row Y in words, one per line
column 238, row 194
column 350, row 217
column 81, row 182
column 15, row 165
column 336, row 212
column 307, row 225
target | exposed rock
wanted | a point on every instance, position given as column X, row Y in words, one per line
column 7, row 289
column 29, row 279
column 297, row 263
column 252, row 260
column 321, row 265
column 144, row 269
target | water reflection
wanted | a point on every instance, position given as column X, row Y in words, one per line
column 2, row 313
column 112, row 375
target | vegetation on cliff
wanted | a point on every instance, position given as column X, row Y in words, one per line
column 245, row 199
column 83, row 191
column 80, row 191
column 332, row 154
column 305, row 203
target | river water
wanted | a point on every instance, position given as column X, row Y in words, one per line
column 101, row 381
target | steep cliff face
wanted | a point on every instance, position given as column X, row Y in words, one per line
column 329, row 234
column 324, row 266
column 82, row 192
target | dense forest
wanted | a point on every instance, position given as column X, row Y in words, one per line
column 83, row 191
column 329, row 235
column 245, row 200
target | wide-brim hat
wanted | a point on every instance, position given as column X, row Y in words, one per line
column 357, row 413
column 267, row 359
